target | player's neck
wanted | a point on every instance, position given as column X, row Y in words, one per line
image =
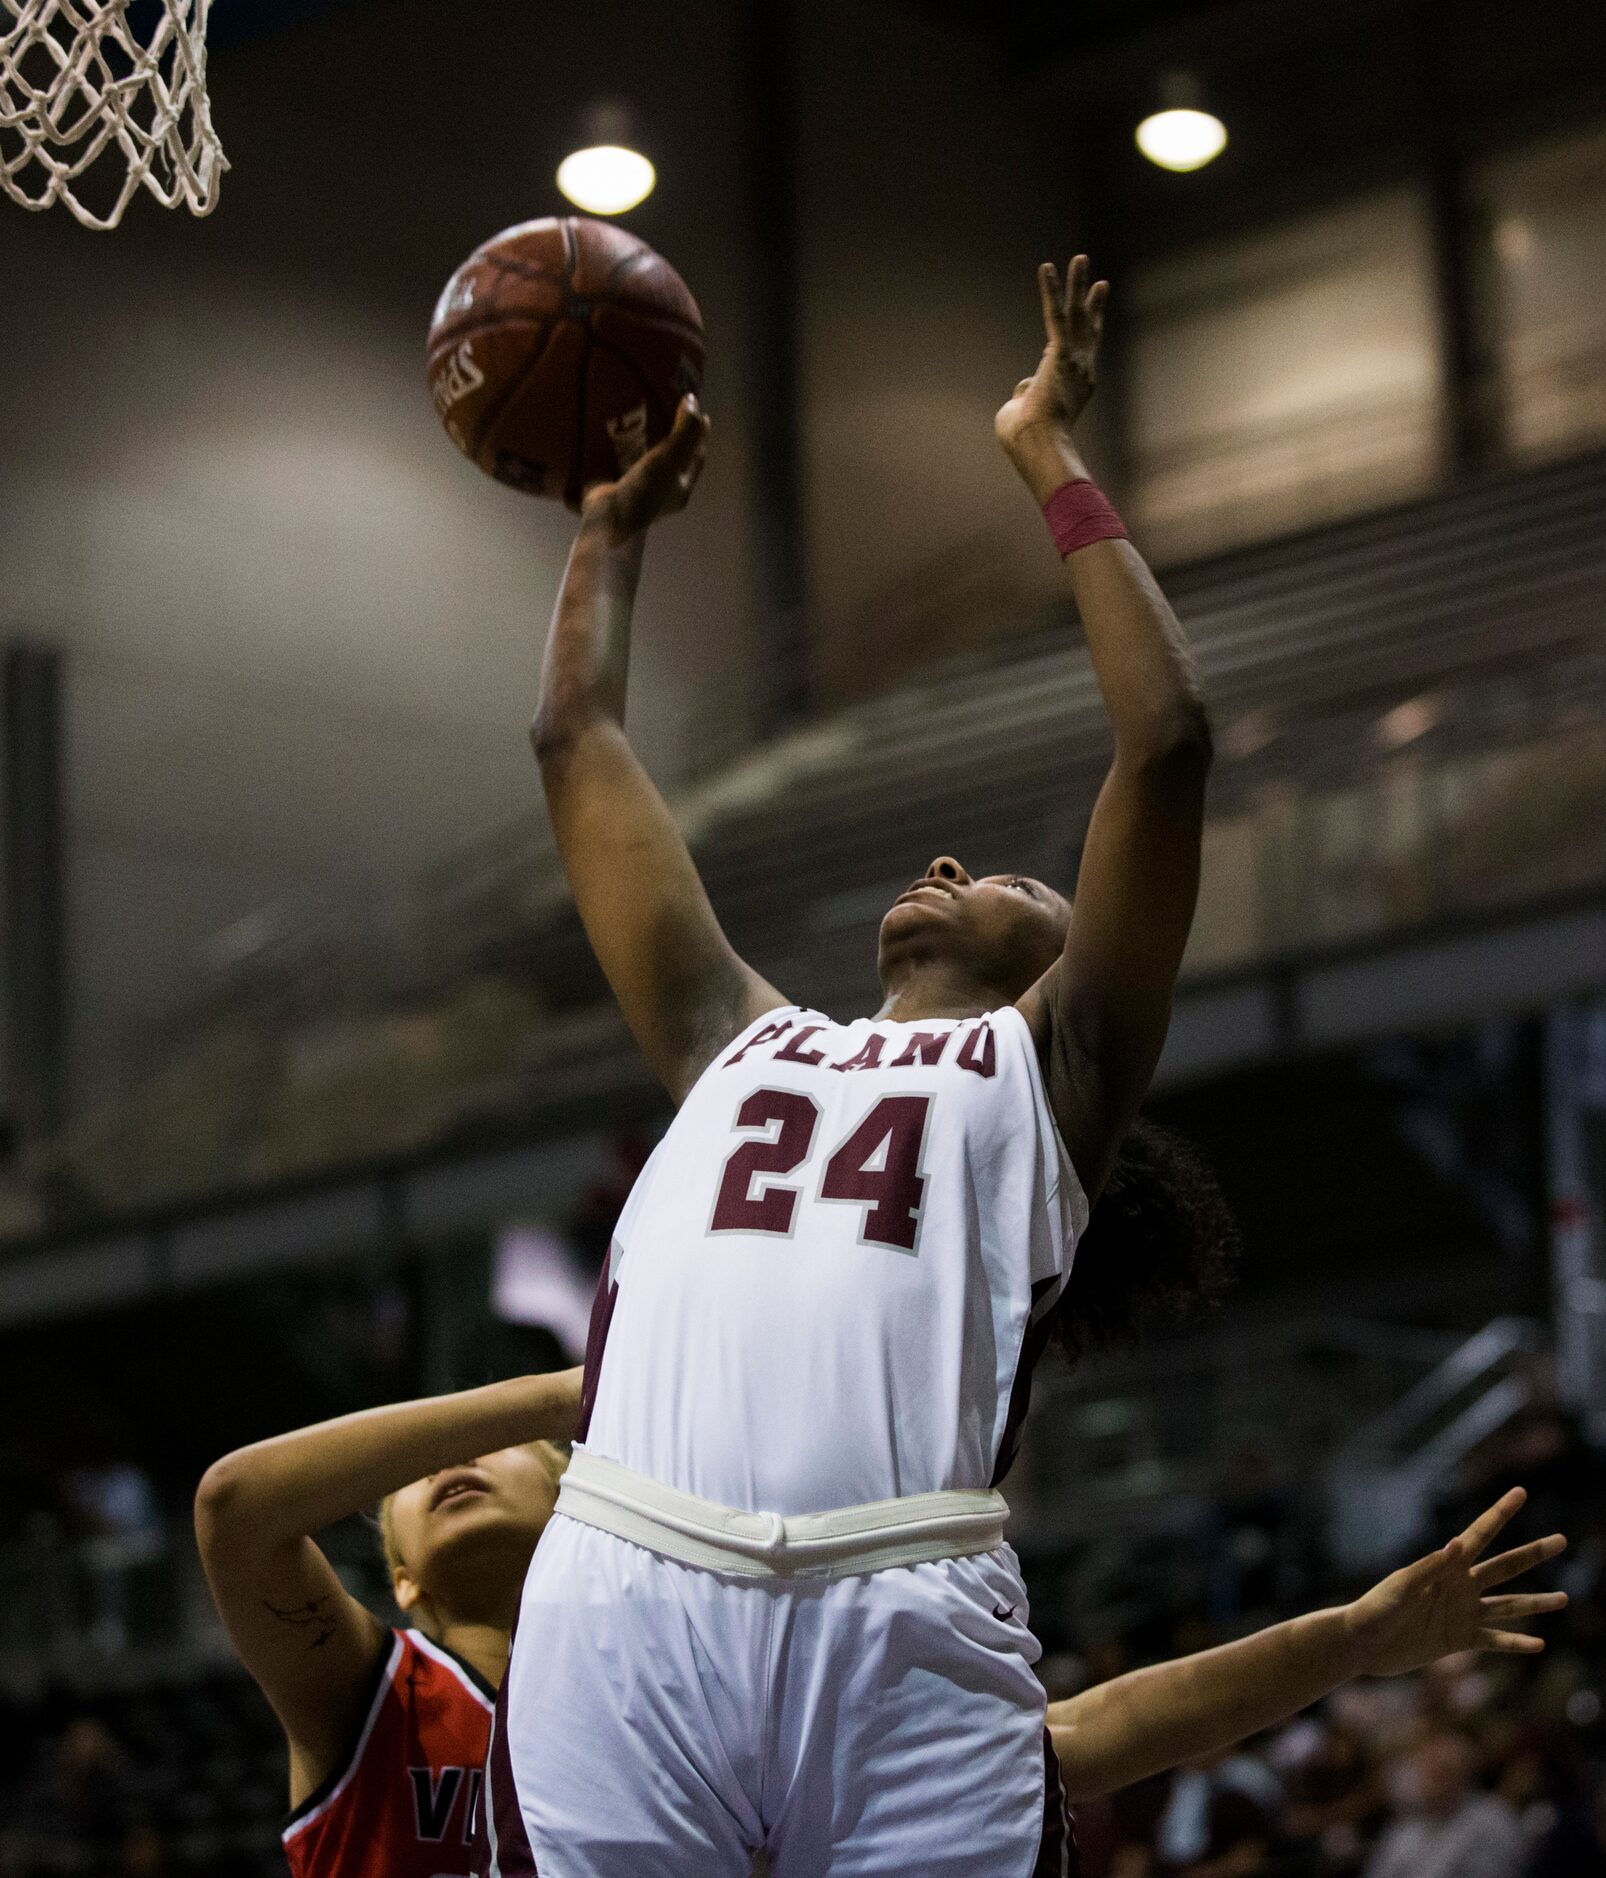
column 932, row 988
column 482, row 1646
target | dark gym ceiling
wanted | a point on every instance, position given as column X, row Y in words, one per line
column 1035, row 29
column 1514, row 47
column 1321, row 101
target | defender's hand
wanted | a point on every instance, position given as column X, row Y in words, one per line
column 659, row 484
column 1046, row 405
column 1439, row 1606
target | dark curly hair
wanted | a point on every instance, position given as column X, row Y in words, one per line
column 1161, row 1240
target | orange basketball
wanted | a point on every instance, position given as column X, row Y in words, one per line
column 559, row 351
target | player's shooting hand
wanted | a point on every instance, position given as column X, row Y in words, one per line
column 660, row 483
column 1046, row 405
column 1442, row 1603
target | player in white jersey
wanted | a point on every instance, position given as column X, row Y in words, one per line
column 775, row 1610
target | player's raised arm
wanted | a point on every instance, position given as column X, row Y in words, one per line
column 683, row 991
column 310, row 1645
column 1101, row 1014
column 1155, row 1719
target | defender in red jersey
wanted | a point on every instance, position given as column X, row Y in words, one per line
column 387, row 1729
column 404, row 1800
column 401, row 1796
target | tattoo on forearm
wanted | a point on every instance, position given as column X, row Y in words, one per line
column 316, row 1617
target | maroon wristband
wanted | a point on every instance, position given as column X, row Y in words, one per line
column 1078, row 515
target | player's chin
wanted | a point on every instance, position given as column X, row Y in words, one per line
column 482, row 1549
column 907, row 929
column 922, row 915
column 469, row 1513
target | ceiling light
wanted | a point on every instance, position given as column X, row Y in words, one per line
column 605, row 172
column 1182, row 140
column 1181, row 135
column 607, row 179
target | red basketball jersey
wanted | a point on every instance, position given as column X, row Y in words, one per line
column 402, row 1803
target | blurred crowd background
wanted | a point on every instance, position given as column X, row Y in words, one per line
column 310, row 1096
column 146, row 1751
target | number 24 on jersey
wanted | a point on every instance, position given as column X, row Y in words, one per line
column 876, row 1168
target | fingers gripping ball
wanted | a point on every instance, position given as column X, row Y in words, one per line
column 559, row 351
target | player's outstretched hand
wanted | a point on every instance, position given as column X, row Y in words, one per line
column 1056, row 394
column 1442, row 1603
column 660, row 483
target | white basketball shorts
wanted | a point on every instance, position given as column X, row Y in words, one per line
column 660, row 1720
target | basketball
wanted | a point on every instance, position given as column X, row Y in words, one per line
column 559, row 351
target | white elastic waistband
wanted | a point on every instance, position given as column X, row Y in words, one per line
column 838, row 1544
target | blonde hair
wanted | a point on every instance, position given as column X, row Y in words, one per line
column 553, row 1455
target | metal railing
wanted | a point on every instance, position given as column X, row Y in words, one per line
column 1137, row 1442
column 1385, row 1475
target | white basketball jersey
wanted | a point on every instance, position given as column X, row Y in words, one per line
column 832, row 1279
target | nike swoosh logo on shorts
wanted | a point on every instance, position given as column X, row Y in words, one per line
column 1003, row 1612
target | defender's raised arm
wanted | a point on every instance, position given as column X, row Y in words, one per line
column 683, row 991
column 310, row 1645
column 1155, row 1719
column 1100, row 1014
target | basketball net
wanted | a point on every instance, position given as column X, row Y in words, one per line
column 94, row 105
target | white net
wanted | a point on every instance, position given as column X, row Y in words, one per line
column 99, row 98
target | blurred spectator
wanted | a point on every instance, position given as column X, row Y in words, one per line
column 1449, row 1828
column 1247, row 1538
column 1335, row 1798
column 74, row 1804
column 1220, row 1818
column 144, row 1853
column 1544, row 1783
column 1121, row 1831
column 116, row 1520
